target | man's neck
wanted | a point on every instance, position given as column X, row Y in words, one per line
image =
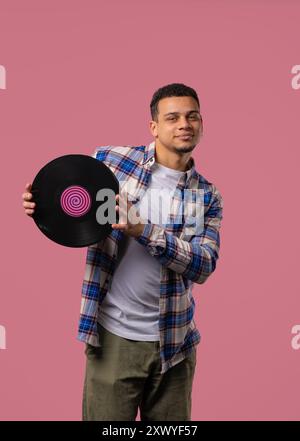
column 172, row 160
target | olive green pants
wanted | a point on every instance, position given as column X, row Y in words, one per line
column 124, row 375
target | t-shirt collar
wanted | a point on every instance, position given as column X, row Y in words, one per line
column 149, row 159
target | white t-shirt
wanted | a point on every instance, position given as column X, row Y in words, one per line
column 130, row 308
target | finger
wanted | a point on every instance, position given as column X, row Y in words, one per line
column 119, row 226
column 29, row 212
column 122, row 216
column 27, row 196
column 28, row 204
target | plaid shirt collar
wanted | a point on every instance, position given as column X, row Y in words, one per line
column 149, row 160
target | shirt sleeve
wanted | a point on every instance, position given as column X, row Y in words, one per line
column 195, row 259
column 94, row 155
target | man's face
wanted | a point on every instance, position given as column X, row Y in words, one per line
column 177, row 116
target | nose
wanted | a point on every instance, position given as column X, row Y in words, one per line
column 185, row 123
column 185, row 126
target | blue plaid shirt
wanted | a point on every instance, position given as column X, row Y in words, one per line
column 185, row 258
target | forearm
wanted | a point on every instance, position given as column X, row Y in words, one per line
column 195, row 260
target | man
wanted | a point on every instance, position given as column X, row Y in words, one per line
column 137, row 307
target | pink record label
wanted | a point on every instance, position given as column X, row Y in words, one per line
column 75, row 201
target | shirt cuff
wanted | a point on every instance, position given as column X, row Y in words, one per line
column 153, row 238
column 145, row 237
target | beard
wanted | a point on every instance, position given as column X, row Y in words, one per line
column 184, row 149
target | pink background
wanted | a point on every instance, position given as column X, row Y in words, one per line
column 81, row 74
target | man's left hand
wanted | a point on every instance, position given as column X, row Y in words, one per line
column 133, row 229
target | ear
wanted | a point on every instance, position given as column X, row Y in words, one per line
column 153, row 128
column 201, row 124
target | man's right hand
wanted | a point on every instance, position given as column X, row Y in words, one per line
column 27, row 200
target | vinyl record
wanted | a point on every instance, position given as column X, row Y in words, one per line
column 64, row 191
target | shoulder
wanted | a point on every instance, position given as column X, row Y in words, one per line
column 107, row 152
column 212, row 194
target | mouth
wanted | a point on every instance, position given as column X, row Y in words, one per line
column 185, row 137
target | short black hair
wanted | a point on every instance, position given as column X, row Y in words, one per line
column 174, row 89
